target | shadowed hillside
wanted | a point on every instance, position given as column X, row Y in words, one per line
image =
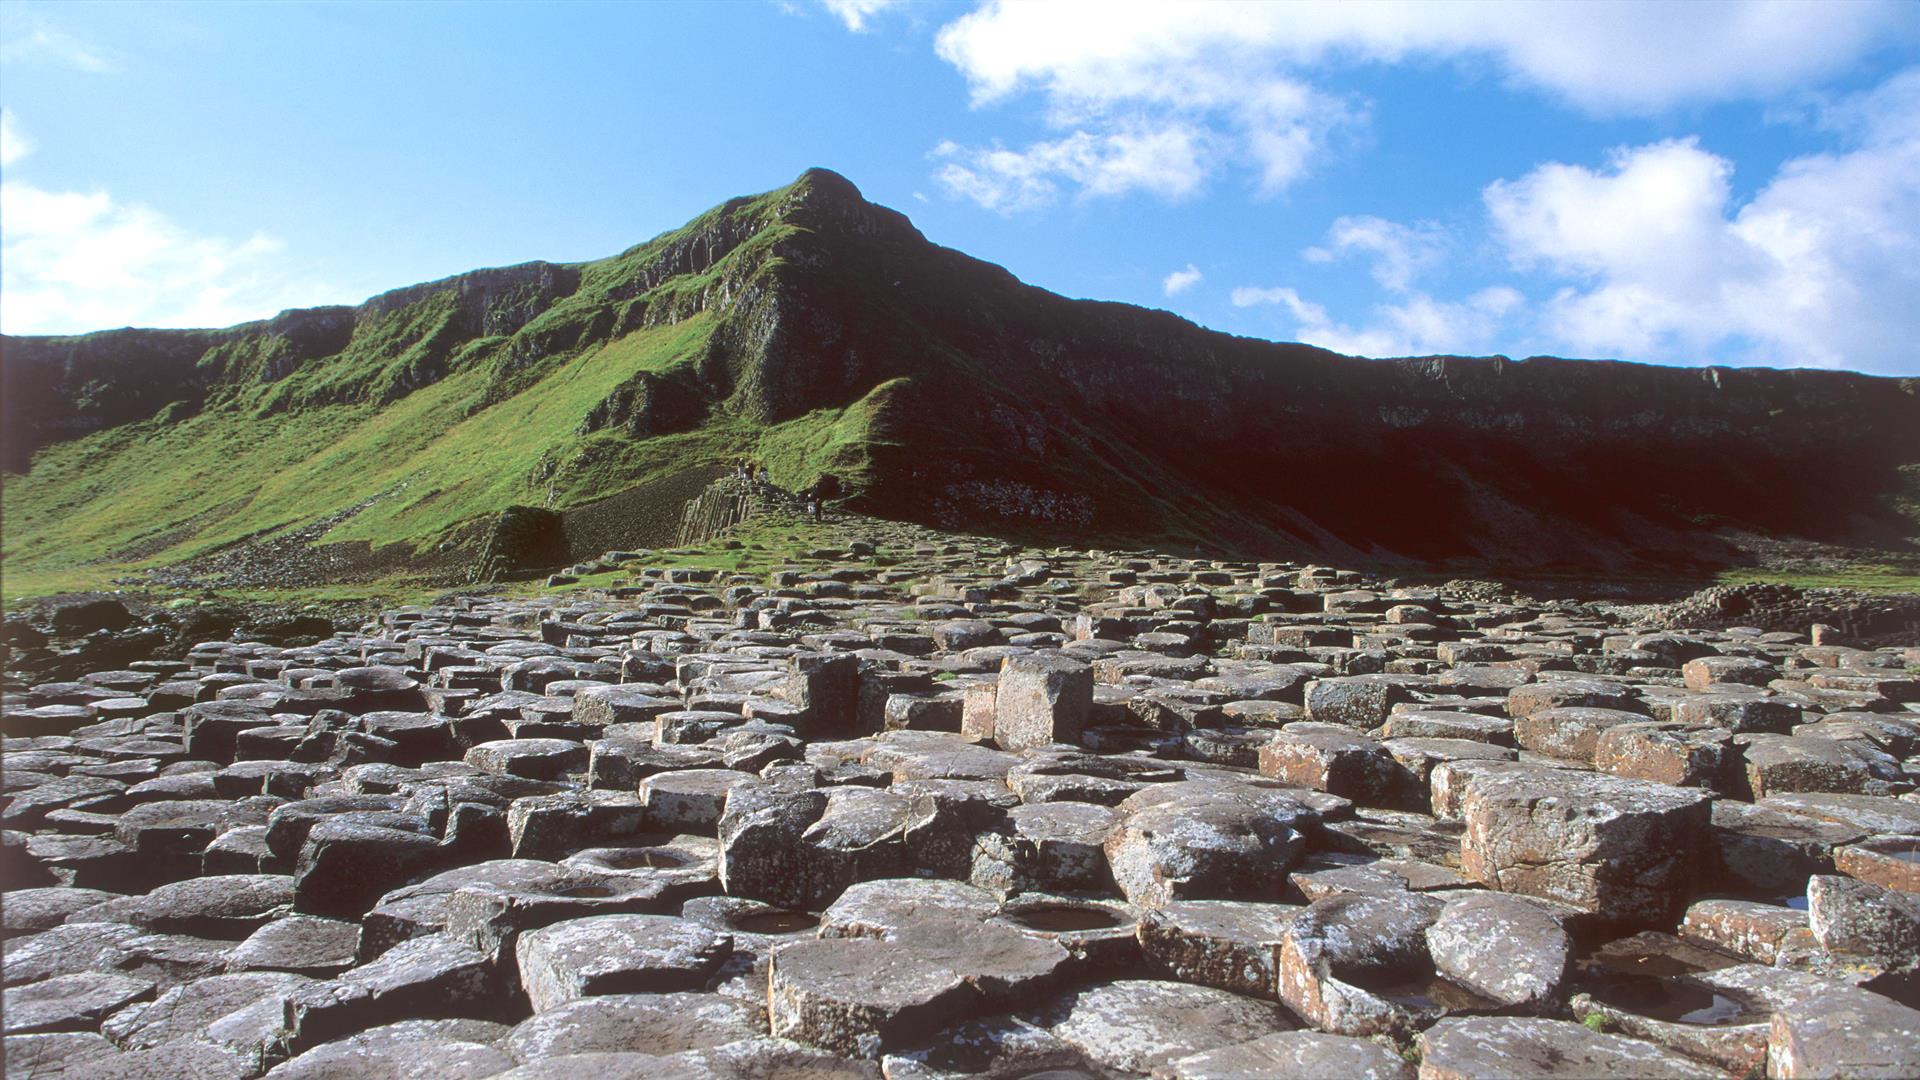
column 824, row 335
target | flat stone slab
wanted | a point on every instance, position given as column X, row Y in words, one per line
column 1520, row 1048
column 456, row 1049
column 1844, row 1033
column 617, row 954
column 301, row 944
column 1142, row 1025
column 1296, row 1055
column 70, row 1002
column 861, row 996
column 184, row 1012
column 657, row 1024
column 1227, row 944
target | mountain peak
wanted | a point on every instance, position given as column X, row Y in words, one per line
column 824, row 200
column 827, row 185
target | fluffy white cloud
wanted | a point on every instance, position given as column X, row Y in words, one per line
column 1234, row 107
column 1168, row 161
column 76, row 261
column 855, row 13
column 1237, row 71
column 1181, row 280
column 1818, row 268
column 14, row 143
column 37, row 41
column 1094, row 50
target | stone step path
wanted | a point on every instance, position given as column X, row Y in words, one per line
column 925, row 806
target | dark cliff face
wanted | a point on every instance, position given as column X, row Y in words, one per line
column 1026, row 411
column 994, row 405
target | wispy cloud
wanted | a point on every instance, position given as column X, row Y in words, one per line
column 38, row 41
column 858, row 13
column 1415, row 324
column 1169, row 161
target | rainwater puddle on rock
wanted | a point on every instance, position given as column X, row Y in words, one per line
column 643, row 858
column 1653, row 954
column 1420, row 992
column 775, row 922
column 1678, row 1000
column 1064, row 918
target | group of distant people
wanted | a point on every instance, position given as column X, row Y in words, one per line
column 744, row 469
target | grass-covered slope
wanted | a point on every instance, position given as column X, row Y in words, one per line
column 433, row 409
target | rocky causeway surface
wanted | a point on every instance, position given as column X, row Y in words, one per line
column 922, row 807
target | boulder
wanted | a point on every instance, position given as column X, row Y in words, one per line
column 1347, row 962
column 428, row 977
column 1229, row 842
column 1043, row 698
column 453, row 1049
column 1624, row 851
column 1514, row 950
column 1859, row 919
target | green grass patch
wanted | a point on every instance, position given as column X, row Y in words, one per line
column 1870, row 578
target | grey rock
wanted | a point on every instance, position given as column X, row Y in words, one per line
column 616, row 954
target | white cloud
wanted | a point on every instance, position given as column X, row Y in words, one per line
column 1181, row 280
column 75, row 261
column 43, row 42
column 1093, row 50
column 1818, row 268
column 1418, row 325
column 1168, row 161
column 1254, row 296
column 856, row 13
column 1413, row 323
column 1399, row 252
column 1236, row 108
column 14, row 143
column 1238, row 71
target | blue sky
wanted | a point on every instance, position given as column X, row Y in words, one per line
column 1678, row 183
